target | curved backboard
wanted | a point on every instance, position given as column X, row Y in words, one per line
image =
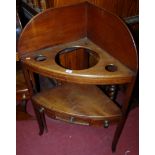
column 84, row 20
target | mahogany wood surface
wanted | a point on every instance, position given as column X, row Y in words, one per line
column 22, row 91
column 41, row 32
column 125, row 111
column 123, row 8
column 86, row 101
column 93, row 75
column 119, row 41
column 45, row 24
column 22, row 95
column 21, row 87
column 84, row 26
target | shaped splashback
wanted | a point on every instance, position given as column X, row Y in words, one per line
column 57, row 26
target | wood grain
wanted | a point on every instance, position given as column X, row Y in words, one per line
column 54, row 27
column 21, row 87
column 119, row 41
column 93, row 75
column 86, row 101
column 41, row 32
column 83, row 26
column 123, row 8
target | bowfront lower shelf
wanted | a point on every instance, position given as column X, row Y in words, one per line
column 77, row 103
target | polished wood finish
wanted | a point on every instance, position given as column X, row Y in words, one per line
column 22, row 92
column 86, row 101
column 21, row 87
column 123, row 8
column 125, row 110
column 112, row 28
column 76, row 58
column 39, row 111
column 81, row 26
column 60, row 3
column 32, row 38
column 93, row 75
column 22, row 95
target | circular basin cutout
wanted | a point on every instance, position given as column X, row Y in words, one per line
column 76, row 58
column 111, row 68
column 40, row 58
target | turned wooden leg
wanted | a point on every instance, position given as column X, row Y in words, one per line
column 41, row 126
column 118, row 133
column 43, row 118
column 112, row 91
column 23, row 105
column 37, row 82
column 125, row 110
column 39, row 119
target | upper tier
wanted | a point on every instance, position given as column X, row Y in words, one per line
column 97, row 67
column 67, row 24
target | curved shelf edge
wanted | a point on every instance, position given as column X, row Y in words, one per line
column 78, row 102
column 93, row 75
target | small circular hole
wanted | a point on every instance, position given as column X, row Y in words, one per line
column 40, row 58
column 111, row 68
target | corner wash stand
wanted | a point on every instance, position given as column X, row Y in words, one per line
column 91, row 55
